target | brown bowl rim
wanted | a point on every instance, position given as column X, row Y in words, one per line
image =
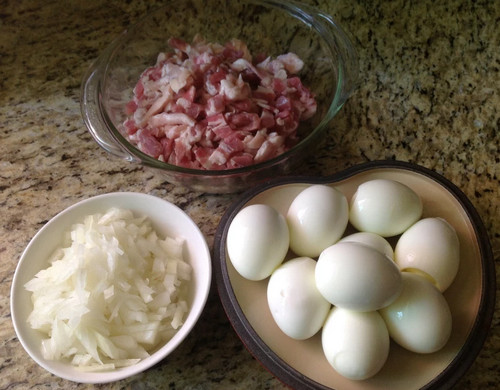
column 291, row 377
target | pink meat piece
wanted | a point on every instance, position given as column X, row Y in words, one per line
column 245, row 106
column 202, row 155
column 304, row 99
column 233, row 144
column 189, row 94
column 149, row 144
column 283, row 103
column 130, row 107
column 216, row 120
column 152, row 74
column 222, row 131
column 245, row 121
column 139, row 90
column 130, row 127
column 240, row 160
column 211, row 106
column 267, row 120
column 182, row 150
column 215, row 105
column 279, row 86
column 168, row 147
column 192, row 110
column 216, row 77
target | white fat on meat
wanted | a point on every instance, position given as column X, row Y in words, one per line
column 234, row 89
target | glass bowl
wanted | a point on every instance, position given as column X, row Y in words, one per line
column 272, row 27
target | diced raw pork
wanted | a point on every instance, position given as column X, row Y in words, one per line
column 211, row 106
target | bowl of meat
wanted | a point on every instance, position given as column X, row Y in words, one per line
column 219, row 96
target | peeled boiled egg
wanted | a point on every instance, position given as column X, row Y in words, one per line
column 357, row 277
column 294, row 300
column 420, row 318
column 430, row 247
column 371, row 239
column 356, row 344
column 317, row 218
column 257, row 241
column 385, row 207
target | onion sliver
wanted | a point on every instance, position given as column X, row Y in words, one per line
column 112, row 294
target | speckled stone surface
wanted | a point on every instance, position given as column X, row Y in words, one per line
column 429, row 94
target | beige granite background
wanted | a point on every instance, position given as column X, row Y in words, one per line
column 429, row 94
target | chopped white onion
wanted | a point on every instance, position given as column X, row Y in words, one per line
column 112, row 294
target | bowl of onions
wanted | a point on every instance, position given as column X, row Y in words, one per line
column 110, row 286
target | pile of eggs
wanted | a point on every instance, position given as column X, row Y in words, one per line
column 356, row 289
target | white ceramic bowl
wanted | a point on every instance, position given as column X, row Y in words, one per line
column 167, row 219
column 301, row 364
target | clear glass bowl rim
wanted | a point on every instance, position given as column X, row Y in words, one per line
column 111, row 139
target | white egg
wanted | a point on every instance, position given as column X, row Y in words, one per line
column 356, row 344
column 317, row 218
column 430, row 247
column 420, row 319
column 294, row 300
column 385, row 207
column 357, row 277
column 257, row 241
column 371, row 239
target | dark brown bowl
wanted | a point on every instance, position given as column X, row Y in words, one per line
column 301, row 364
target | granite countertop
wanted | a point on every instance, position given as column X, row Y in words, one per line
column 429, row 94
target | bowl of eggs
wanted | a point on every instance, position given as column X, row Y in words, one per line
column 378, row 277
column 110, row 286
column 218, row 95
